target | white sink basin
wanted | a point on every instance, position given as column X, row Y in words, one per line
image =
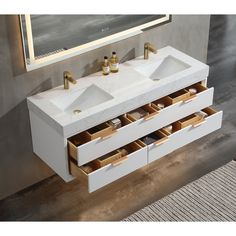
column 101, row 98
column 162, row 68
column 82, row 99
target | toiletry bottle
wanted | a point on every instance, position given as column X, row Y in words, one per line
column 114, row 63
column 105, row 66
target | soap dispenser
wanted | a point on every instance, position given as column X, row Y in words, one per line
column 114, row 63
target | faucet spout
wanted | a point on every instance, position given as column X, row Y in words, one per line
column 149, row 48
column 67, row 77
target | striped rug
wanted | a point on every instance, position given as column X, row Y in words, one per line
column 210, row 198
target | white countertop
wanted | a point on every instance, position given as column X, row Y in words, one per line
column 128, row 87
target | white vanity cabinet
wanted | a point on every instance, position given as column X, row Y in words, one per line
column 131, row 131
column 85, row 146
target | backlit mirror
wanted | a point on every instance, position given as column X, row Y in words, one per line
column 51, row 38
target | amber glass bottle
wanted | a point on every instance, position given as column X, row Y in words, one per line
column 114, row 63
column 105, row 66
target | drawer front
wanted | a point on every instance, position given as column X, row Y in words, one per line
column 184, row 136
column 133, row 131
column 110, row 173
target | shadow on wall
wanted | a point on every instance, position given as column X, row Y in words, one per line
column 16, row 49
column 16, row 148
column 128, row 56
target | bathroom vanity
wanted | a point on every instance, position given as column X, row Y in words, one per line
column 71, row 131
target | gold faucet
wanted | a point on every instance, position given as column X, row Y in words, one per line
column 148, row 48
column 68, row 78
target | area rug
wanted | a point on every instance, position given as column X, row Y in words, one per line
column 210, row 198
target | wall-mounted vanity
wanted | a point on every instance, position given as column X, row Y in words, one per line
column 162, row 104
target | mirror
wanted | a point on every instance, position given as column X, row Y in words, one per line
column 51, row 38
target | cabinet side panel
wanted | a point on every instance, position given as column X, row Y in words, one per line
column 50, row 146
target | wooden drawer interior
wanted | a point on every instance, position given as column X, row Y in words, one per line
column 195, row 120
column 195, row 88
column 147, row 112
column 99, row 131
column 158, row 137
column 161, row 103
column 115, row 157
column 186, row 121
column 178, row 96
column 102, row 131
column 109, row 158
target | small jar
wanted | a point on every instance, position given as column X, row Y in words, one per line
column 192, row 91
column 161, row 105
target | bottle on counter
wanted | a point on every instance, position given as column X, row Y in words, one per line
column 105, row 66
column 114, row 63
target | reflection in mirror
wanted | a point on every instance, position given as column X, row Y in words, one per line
column 51, row 38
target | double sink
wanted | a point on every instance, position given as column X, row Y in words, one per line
column 93, row 95
column 115, row 93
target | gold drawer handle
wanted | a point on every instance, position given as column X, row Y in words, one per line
column 163, row 140
column 110, row 134
column 150, row 116
column 189, row 99
column 119, row 161
column 198, row 123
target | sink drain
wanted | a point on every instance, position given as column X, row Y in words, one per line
column 77, row 111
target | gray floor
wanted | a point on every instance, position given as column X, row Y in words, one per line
column 53, row 199
column 210, row 198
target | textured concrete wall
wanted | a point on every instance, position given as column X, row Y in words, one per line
column 19, row 167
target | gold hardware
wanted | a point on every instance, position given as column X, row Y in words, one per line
column 198, row 123
column 119, row 161
column 67, row 77
column 161, row 141
column 189, row 99
column 148, row 48
column 76, row 111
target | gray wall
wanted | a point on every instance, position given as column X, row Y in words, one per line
column 19, row 167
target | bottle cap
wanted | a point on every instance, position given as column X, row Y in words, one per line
column 113, row 53
column 105, row 57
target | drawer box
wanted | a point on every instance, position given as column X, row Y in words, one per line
column 148, row 110
column 102, row 130
column 108, row 158
column 186, row 121
column 182, row 136
column 132, row 129
column 99, row 177
column 180, row 95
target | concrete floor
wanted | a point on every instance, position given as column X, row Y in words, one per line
column 52, row 199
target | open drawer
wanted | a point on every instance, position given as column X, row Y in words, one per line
column 178, row 136
column 133, row 158
column 153, row 116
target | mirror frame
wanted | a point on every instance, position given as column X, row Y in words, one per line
column 33, row 63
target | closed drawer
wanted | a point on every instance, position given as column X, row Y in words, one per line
column 133, row 128
column 98, row 177
column 170, row 141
